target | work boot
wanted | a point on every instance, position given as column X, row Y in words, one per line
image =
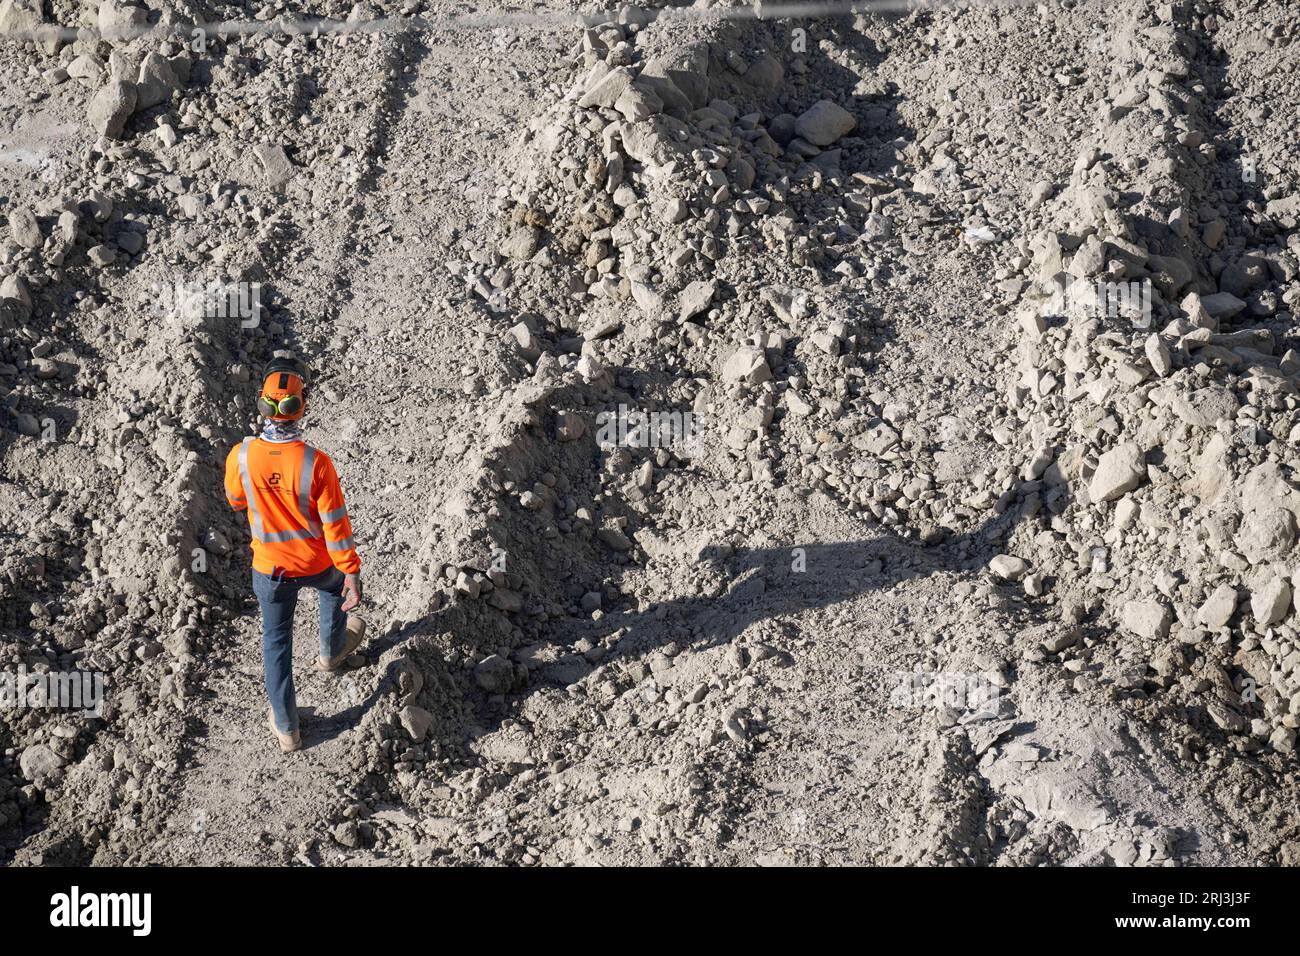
column 356, row 631
column 288, row 742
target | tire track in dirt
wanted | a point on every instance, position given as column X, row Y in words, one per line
column 936, row 803
column 236, row 776
column 400, row 365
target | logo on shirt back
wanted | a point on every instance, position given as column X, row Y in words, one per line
column 273, row 484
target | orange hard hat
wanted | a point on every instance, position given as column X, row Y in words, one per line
column 282, row 393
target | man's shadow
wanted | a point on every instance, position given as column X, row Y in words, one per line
column 751, row 585
column 746, row 586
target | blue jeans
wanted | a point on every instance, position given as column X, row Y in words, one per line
column 278, row 596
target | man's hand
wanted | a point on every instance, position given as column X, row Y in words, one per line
column 351, row 591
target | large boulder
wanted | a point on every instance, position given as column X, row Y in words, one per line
column 1118, row 472
column 416, row 721
column 1222, row 305
column 25, row 20
column 1206, row 407
column 1267, row 535
column 38, row 762
column 1218, row 607
column 766, row 72
column 157, row 81
column 1270, row 600
column 20, row 16
column 748, row 365
column 823, row 123
column 25, row 230
column 605, row 90
column 494, row 674
column 655, row 142
column 111, row 107
column 684, row 72
column 1243, row 276
column 118, row 20
column 1148, row 618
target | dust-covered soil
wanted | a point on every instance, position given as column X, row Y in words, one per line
column 856, row 438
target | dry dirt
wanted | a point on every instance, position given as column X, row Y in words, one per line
column 925, row 564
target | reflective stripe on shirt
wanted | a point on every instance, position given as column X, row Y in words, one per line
column 304, row 491
column 254, row 516
column 313, row 530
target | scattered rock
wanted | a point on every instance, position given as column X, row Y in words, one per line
column 823, row 123
column 111, row 107
column 1148, row 618
column 38, row 762
column 1119, row 471
column 748, row 365
column 1008, row 568
column 416, row 721
column 494, row 674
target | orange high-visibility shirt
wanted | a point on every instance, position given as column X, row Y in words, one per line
column 295, row 507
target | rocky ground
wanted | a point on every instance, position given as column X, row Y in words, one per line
column 738, row 473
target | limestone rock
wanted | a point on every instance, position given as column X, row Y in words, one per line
column 156, row 83
column 1119, row 471
column 494, row 674
column 1218, row 607
column 1008, row 567
column 1267, row 535
column 748, row 365
column 38, row 762
column 275, row 164
column 111, row 107
column 1270, row 601
column 416, row 721
column 1148, row 618
column 25, row 230
column 824, row 122
column 695, row 298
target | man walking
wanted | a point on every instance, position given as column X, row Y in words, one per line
column 302, row 538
